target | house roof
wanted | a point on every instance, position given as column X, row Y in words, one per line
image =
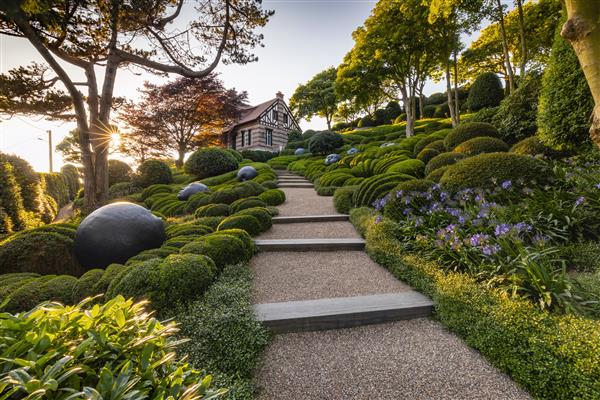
column 249, row 114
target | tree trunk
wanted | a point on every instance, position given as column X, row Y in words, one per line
column 449, row 94
column 456, row 99
column 421, row 104
column 511, row 74
column 408, row 108
column 523, row 40
column 180, row 156
column 582, row 29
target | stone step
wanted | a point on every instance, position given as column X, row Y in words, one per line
column 298, row 179
column 310, row 244
column 310, row 218
column 295, row 185
column 342, row 312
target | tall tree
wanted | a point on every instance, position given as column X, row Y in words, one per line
column 498, row 14
column 316, row 97
column 182, row 115
column 105, row 35
column 582, row 30
column 522, row 37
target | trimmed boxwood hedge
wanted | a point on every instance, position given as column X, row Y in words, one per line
column 246, row 222
column 190, row 228
column 411, row 167
column 273, row 197
column 422, row 143
column 244, row 236
column 427, row 154
column 325, row 142
column 437, row 174
column 222, row 249
column 486, row 170
column 532, row 146
column 224, row 196
column 152, row 172
column 443, row 159
column 481, row 145
column 342, row 198
column 261, row 214
column 212, row 210
column 376, row 187
column 469, row 130
column 248, row 202
column 211, row 222
column 208, row 162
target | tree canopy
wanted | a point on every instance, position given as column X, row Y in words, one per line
column 316, row 97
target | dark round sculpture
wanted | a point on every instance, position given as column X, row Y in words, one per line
column 388, row 144
column 299, row 151
column 352, row 151
column 246, row 173
column 191, row 189
column 116, row 232
column 330, row 159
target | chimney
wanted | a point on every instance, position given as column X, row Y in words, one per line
column 279, row 95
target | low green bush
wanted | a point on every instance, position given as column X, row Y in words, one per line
column 156, row 189
column 110, row 272
column 469, row 130
column 442, row 160
column 57, row 186
column 222, row 249
column 342, row 198
column 481, row 145
column 325, row 142
column 273, row 197
column 427, row 154
column 533, row 147
column 246, row 222
column 208, row 162
column 39, row 252
column 411, row 167
column 248, row 202
column 118, row 172
column 238, row 156
column 212, row 210
column 437, row 174
column 422, row 143
column 258, row 155
column 486, row 91
column 414, row 185
column 151, row 254
column 60, row 366
column 191, row 228
column 487, row 170
column 436, row 145
column 326, row 190
column 376, row 187
column 582, row 257
column 121, row 189
column 152, row 172
column 261, row 214
column 248, row 189
column 212, row 222
column 196, row 201
column 224, row 196
column 244, row 236
column 86, row 283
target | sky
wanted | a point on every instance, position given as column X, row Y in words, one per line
column 303, row 38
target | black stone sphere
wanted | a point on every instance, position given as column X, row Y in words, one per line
column 352, row 151
column 246, row 173
column 299, row 151
column 191, row 189
column 330, row 159
column 116, row 232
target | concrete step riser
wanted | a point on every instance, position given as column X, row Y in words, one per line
column 323, row 314
column 310, row 218
column 295, row 185
column 310, row 244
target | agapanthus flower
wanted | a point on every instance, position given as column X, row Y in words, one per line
column 506, row 185
column 580, row 200
column 490, row 249
column 502, row 229
column 478, row 239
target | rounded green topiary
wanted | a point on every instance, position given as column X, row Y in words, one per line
column 238, row 156
column 468, row 130
column 533, row 147
column 196, row 201
column 118, row 172
column 422, row 143
column 209, row 162
column 86, row 283
column 261, row 214
column 249, row 202
column 152, row 190
column 246, row 222
column 437, row 174
column 190, row 228
column 325, row 142
column 427, row 154
column 409, row 167
column 151, row 254
column 211, row 222
column 437, row 145
column 27, row 295
column 153, row 172
column 273, row 197
column 342, row 198
column 39, row 252
column 110, row 273
column 183, row 277
column 222, row 249
column 486, row 91
column 244, row 236
column 441, row 160
column 376, row 187
column 490, row 169
column 224, row 196
column 415, row 185
column 248, row 189
column 212, row 210
column 480, row 145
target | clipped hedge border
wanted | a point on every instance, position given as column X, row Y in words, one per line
column 552, row 356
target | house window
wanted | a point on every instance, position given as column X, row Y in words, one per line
column 249, row 137
column 285, row 118
column 275, row 115
column 269, row 137
column 243, row 137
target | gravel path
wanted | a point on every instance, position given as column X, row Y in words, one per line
column 416, row 359
column 311, row 230
column 288, row 276
column 305, row 201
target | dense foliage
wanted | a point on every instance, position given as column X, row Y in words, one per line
column 208, row 162
column 486, row 91
column 152, row 172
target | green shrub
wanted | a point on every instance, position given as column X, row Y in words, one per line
column 248, row 189
column 224, row 196
column 487, row 170
column 210, row 162
column 273, row 197
column 47, row 288
column 196, row 201
column 532, row 146
column 261, row 214
column 481, row 145
column 39, row 252
column 486, row 91
column 73, row 178
column 441, row 160
column 246, row 222
column 429, row 110
column 565, row 103
column 238, row 156
column 13, row 215
column 468, row 130
column 121, row 189
column 248, row 202
column 56, row 185
column 110, row 363
column 28, row 181
column 409, row 167
column 212, row 222
column 244, row 236
column 376, row 187
column 110, row 272
column 360, row 217
column 151, row 254
column 414, row 185
column 258, row 155
column 190, row 228
column 427, row 154
column 86, row 283
column 118, row 172
column 342, row 198
column 326, row 190
column 269, row 184
column 516, row 118
column 222, row 249
column 442, row 111
column 485, row 115
column 422, row 143
column 366, row 122
column 437, row 174
column 152, row 172
column 325, row 142
column 212, row 210
column 583, row 257
column 156, row 189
